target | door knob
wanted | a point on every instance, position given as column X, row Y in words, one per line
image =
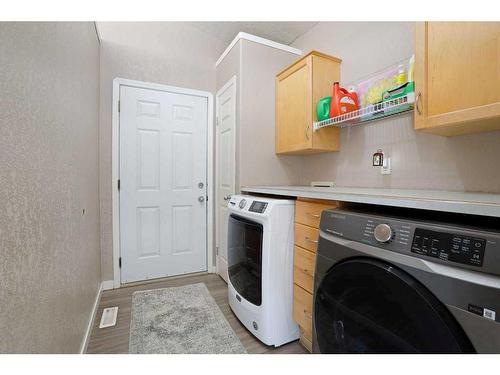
column 227, row 197
column 201, row 199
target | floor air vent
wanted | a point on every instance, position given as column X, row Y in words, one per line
column 109, row 316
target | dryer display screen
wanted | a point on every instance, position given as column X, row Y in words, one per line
column 448, row 246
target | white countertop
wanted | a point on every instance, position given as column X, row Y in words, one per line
column 438, row 200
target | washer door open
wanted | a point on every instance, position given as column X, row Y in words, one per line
column 364, row 305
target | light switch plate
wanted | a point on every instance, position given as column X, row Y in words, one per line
column 386, row 166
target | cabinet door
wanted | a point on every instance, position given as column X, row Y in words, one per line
column 293, row 109
column 325, row 73
column 457, row 77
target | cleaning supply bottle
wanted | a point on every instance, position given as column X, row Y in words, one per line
column 342, row 101
column 411, row 68
column 323, row 108
column 401, row 78
column 354, row 94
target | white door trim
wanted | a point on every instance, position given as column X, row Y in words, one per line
column 115, row 166
column 231, row 81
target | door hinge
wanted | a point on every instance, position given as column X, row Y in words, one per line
column 217, row 120
column 118, row 184
column 216, row 250
column 119, row 107
column 120, row 262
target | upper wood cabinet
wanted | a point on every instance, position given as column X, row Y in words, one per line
column 457, row 77
column 298, row 89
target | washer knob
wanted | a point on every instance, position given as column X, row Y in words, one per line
column 243, row 203
column 383, row 233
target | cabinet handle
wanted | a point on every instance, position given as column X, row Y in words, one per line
column 313, row 241
column 313, row 215
column 417, row 103
column 307, row 132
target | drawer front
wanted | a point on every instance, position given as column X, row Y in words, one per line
column 306, row 237
column 309, row 213
column 304, row 264
column 306, row 341
column 302, row 309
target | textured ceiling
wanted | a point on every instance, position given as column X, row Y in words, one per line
column 281, row 32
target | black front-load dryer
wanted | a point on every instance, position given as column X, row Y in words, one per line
column 364, row 305
column 379, row 290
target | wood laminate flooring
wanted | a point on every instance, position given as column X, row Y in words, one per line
column 115, row 339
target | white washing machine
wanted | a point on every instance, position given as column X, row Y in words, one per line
column 260, row 266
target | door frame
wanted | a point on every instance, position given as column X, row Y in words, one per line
column 115, row 166
column 231, row 81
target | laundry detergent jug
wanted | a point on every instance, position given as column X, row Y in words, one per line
column 343, row 101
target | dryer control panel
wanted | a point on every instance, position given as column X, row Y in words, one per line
column 441, row 242
column 449, row 246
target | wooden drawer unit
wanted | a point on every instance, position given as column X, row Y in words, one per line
column 302, row 310
column 307, row 218
column 304, row 264
column 309, row 212
column 306, row 237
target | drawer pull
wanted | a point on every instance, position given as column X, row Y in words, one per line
column 313, row 215
column 306, row 272
column 310, row 240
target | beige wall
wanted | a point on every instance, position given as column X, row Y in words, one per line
column 49, row 249
column 171, row 53
column 255, row 67
column 259, row 164
column 419, row 161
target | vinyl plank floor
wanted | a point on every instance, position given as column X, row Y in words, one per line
column 114, row 340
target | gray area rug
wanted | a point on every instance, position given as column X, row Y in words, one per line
column 184, row 320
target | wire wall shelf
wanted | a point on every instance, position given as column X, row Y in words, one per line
column 370, row 113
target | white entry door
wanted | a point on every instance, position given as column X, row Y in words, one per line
column 163, row 178
column 226, row 162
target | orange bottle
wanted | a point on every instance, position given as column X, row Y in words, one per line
column 343, row 101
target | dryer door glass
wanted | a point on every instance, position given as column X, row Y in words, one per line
column 365, row 305
column 244, row 256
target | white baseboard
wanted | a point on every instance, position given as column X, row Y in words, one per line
column 88, row 332
column 108, row 285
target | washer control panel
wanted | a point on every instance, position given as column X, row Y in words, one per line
column 258, row 206
column 448, row 246
column 250, row 204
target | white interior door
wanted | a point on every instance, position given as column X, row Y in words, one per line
column 163, row 178
column 225, row 166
